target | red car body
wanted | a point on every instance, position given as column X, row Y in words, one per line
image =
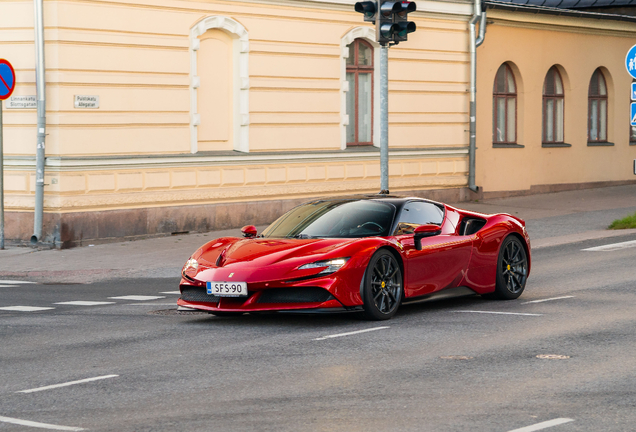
column 457, row 257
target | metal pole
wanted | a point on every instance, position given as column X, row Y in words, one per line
column 41, row 92
column 474, row 43
column 384, row 119
column 1, row 184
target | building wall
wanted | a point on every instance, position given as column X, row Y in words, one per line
column 214, row 102
column 532, row 44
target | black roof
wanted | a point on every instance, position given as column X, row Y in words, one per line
column 573, row 4
column 620, row 10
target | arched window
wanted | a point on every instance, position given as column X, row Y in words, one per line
column 597, row 108
column 553, row 107
column 504, row 101
column 360, row 94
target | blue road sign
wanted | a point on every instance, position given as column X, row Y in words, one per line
column 7, row 79
column 630, row 61
column 633, row 115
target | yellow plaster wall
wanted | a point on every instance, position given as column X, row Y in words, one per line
column 532, row 44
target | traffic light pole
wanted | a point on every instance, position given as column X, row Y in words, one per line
column 384, row 119
column 391, row 27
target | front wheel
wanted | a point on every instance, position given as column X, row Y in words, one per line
column 382, row 287
column 512, row 269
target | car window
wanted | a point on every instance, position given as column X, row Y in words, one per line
column 416, row 213
column 341, row 218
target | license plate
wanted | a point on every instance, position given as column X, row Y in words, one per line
column 227, row 289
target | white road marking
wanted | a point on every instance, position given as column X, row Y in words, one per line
column 543, row 425
column 8, row 286
column 137, row 297
column 612, row 247
column 14, row 282
column 171, row 292
column 24, row 308
column 84, row 303
column 548, row 299
column 497, row 313
column 38, row 425
column 150, row 304
column 70, row 383
column 350, row 333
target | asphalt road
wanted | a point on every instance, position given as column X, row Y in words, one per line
column 458, row 365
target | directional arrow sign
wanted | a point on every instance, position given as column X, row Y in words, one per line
column 7, row 79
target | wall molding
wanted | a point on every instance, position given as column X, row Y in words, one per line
column 241, row 84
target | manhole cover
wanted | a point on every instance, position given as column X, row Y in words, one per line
column 176, row 312
column 456, row 357
column 553, row 356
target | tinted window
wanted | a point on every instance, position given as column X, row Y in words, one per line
column 416, row 213
column 344, row 219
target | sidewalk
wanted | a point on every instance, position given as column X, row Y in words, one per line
column 552, row 219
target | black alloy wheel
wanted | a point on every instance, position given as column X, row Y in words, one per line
column 512, row 269
column 382, row 291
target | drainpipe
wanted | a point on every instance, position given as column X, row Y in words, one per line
column 41, row 104
column 474, row 43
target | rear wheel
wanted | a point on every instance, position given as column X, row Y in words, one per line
column 512, row 269
column 382, row 289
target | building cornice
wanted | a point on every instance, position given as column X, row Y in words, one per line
column 149, row 162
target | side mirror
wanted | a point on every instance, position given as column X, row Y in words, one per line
column 428, row 230
column 249, row 231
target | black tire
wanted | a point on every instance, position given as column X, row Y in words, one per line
column 382, row 289
column 512, row 269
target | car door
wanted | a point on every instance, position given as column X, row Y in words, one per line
column 443, row 259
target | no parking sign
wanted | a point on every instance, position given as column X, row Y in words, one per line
column 7, row 79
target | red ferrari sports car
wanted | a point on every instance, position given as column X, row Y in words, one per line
column 359, row 253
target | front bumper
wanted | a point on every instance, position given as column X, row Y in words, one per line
column 337, row 292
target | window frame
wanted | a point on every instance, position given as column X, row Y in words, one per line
column 357, row 70
column 506, row 95
column 555, row 98
column 599, row 99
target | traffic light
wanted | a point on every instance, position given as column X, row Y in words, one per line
column 401, row 19
column 368, row 8
column 390, row 19
column 385, row 27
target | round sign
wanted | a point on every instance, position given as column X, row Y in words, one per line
column 7, row 79
column 630, row 61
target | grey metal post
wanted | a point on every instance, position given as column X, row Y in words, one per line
column 384, row 119
column 41, row 103
column 1, row 184
column 474, row 43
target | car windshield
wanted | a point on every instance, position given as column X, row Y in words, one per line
column 340, row 219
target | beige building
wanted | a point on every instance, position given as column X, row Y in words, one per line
column 566, row 120
column 169, row 116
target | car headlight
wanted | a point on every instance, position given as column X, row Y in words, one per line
column 191, row 267
column 330, row 266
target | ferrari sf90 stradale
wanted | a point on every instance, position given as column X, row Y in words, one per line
column 359, row 253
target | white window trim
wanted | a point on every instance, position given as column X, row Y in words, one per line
column 241, row 82
column 368, row 34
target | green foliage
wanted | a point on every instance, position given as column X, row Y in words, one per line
column 625, row 223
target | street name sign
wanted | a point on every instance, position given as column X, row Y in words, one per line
column 22, row 102
column 86, row 102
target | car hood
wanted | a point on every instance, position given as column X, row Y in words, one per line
column 261, row 252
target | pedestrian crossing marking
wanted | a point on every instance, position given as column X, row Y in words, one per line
column 25, row 308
